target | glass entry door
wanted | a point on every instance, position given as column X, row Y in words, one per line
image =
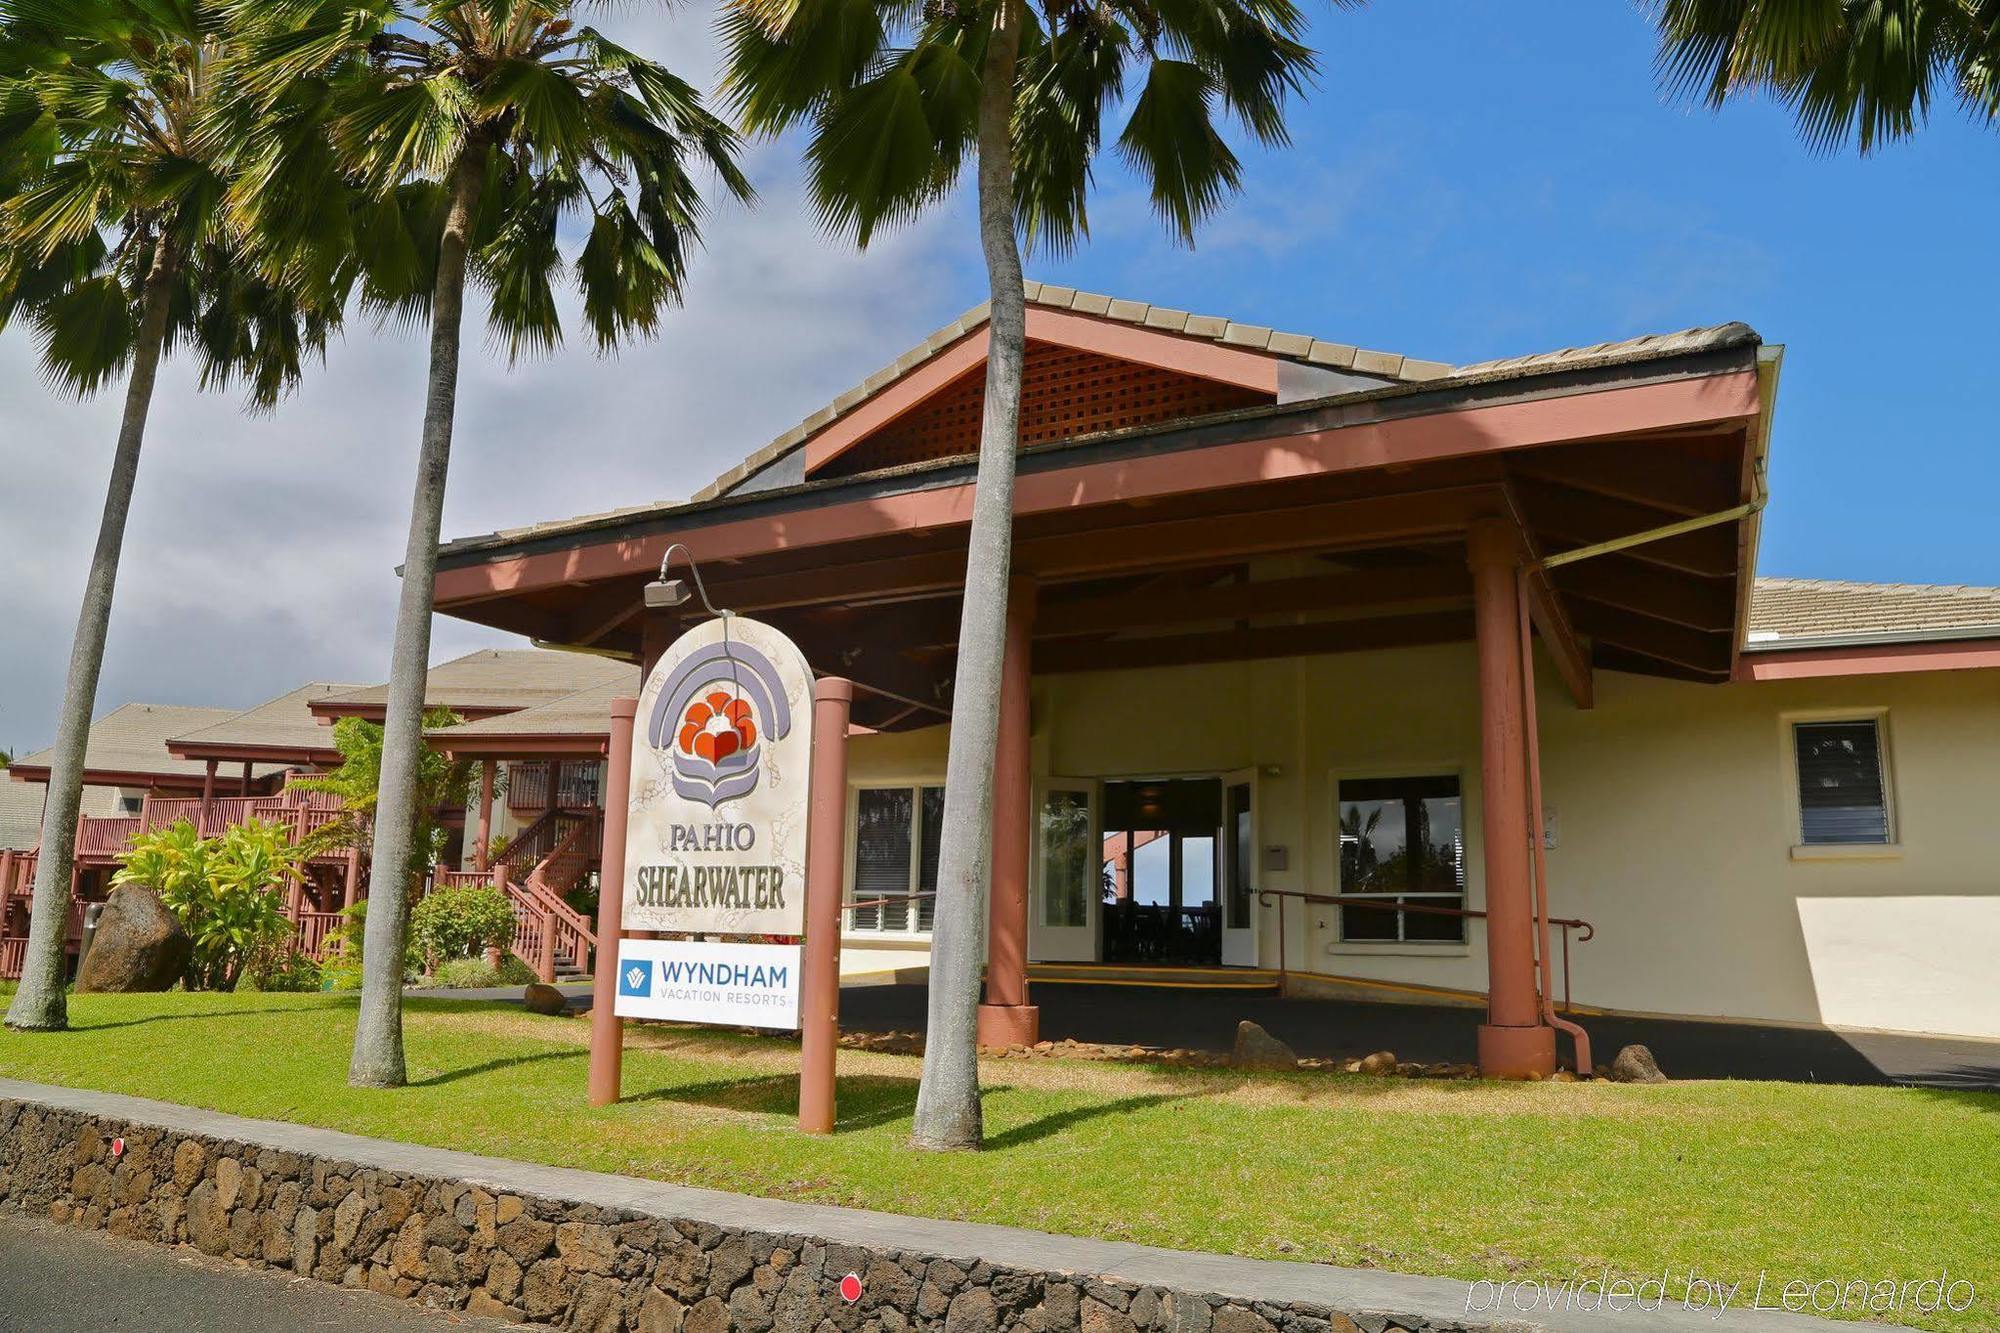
column 1161, row 858
column 1068, row 869
column 1239, row 868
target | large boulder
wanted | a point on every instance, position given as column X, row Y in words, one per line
column 1635, row 1064
column 541, row 998
column 138, row 945
column 1258, row 1049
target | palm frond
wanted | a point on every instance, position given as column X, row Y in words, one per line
column 1172, row 141
column 876, row 156
column 85, row 331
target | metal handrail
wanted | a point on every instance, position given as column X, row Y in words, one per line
column 1567, row 923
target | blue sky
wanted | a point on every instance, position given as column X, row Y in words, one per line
column 1475, row 180
column 1470, row 180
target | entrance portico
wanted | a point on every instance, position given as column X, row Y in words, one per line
column 1198, row 596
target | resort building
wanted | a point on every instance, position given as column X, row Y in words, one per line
column 1340, row 670
column 149, row 766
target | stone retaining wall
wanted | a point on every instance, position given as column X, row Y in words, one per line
column 527, row 1258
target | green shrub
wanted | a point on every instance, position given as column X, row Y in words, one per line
column 515, row 972
column 475, row 973
column 460, row 922
column 285, row 969
column 227, row 891
column 465, row 974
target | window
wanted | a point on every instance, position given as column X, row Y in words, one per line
column 895, row 853
column 1070, row 873
column 1842, row 795
column 1402, row 842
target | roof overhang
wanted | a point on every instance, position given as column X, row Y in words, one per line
column 521, row 746
column 125, row 777
column 1575, row 454
column 230, row 752
column 331, row 711
column 1864, row 655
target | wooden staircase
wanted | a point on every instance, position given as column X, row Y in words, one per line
column 548, row 859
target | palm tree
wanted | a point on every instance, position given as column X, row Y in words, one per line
column 115, row 249
column 1866, row 69
column 483, row 126
column 896, row 94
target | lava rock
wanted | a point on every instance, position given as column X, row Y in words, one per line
column 1635, row 1064
column 1258, row 1049
column 138, row 945
column 542, row 998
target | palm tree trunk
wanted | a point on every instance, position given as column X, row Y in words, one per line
column 378, row 1032
column 948, row 1114
column 40, row 1004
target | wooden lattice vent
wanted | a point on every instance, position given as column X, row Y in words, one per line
column 1064, row 394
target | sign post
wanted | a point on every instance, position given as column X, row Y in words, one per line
column 607, row 1031
column 819, row 1010
column 715, row 779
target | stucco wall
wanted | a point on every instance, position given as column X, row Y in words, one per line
column 1673, row 813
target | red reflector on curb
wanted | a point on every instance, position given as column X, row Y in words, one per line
column 850, row 1288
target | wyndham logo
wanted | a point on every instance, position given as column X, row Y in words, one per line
column 636, row 979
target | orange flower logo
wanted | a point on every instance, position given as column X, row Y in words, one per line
column 716, row 727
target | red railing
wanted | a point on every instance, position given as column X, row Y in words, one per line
column 313, row 930
column 302, row 812
column 1585, row 929
column 13, row 956
column 577, row 784
column 105, row 837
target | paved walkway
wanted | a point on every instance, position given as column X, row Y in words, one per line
column 1206, row 1020
column 63, row 1280
column 1439, row 1299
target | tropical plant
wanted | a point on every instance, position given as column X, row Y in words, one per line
column 228, row 892
column 477, row 973
column 281, row 966
column 460, row 922
column 116, row 249
column 484, row 125
column 164, row 860
column 896, row 97
column 442, row 783
column 1862, row 69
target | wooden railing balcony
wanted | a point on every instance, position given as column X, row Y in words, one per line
column 100, row 839
column 577, row 785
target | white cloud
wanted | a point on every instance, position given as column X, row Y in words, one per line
column 260, row 550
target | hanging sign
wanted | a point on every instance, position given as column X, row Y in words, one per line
column 721, row 760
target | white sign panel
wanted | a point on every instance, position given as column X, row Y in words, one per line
column 686, row 981
column 721, row 765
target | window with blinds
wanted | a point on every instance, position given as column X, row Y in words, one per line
column 1842, row 795
column 895, row 854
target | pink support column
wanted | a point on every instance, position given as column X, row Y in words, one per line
column 6, row 888
column 1007, row 1019
column 207, row 791
column 350, row 884
column 494, row 953
column 607, row 1032
column 826, row 854
column 479, row 849
column 1513, row 1043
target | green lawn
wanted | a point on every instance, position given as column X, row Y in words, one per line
column 1465, row 1179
